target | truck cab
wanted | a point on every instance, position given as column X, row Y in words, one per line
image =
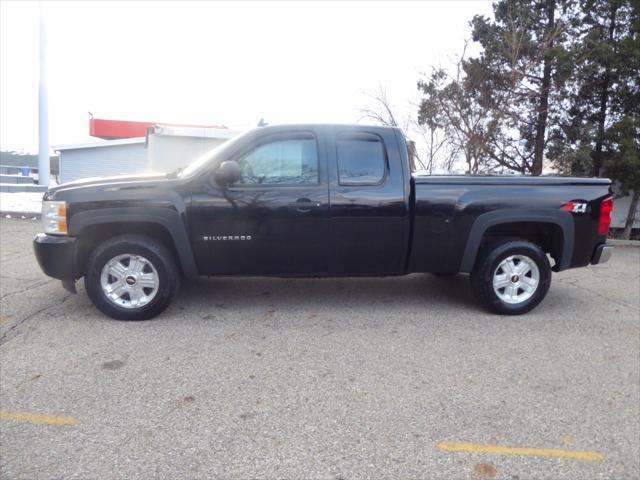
column 307, row 200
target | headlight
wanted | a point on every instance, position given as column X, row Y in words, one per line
column 54, row 217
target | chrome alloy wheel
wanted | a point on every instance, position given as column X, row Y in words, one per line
column 516, row 279
column 129, row 281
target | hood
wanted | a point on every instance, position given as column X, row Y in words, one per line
column 106, row 181
column 102, row 188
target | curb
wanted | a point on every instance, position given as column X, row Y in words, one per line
column 623, row 243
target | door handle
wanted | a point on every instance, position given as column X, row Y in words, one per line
column 304, row 205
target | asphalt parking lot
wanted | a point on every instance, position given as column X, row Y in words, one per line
column 320, row 378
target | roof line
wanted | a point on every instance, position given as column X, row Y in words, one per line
column 104, row 143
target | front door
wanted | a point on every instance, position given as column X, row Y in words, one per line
column 274, row 221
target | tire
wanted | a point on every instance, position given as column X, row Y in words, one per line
column 516, row 264
column 141, row 267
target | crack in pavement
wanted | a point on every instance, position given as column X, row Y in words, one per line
column 17, row 256
column 574, row 283
column 22, row 279
column 12, row 332
column 37, row 284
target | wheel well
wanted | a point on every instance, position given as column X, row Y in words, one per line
column 93, row 235
column 546, row 235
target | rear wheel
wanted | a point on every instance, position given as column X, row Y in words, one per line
column 511, row 277
column 132, row 277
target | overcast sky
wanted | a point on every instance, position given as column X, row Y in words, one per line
column 217, row 63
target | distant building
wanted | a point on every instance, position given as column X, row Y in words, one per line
column 170, row 147
column 137, row 147
column 112, row 157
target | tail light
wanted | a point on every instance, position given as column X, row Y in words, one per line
column 606, row 207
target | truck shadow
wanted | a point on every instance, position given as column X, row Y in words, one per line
column 362, row 293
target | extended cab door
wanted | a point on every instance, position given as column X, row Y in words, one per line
column 369, row 202
column 274, row 221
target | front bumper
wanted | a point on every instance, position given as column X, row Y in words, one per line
column 602, row 254
column 56, row 255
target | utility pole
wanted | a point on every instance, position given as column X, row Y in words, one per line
column 44, row 167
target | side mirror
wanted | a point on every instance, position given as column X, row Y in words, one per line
column 228, row 172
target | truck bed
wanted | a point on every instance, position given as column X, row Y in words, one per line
column 452, row 214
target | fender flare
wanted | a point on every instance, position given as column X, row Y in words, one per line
column 564, row 220
column 169, row 218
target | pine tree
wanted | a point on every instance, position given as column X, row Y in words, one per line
column 601, row 73
column 525, row 64
column 623, row 163
column 596, row 137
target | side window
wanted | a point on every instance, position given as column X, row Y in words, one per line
column 281, row 162
column 361, row 159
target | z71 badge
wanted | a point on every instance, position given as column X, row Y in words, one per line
column 225, row 238
column 574, row 207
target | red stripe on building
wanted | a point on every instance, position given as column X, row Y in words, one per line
column 114, row 129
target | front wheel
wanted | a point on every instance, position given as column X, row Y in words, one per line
column 511, row 277
column 132, row 277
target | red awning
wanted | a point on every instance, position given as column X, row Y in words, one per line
column 115, row 129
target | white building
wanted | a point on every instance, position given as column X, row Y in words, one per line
column 101, row 159
column 171, row 147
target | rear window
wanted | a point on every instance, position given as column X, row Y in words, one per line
column 361, row 159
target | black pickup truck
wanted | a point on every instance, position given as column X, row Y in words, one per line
column 318, row 200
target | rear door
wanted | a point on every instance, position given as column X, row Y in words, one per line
column 274, row 221
column 369, row 204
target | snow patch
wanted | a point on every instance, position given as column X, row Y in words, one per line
column 21, row 202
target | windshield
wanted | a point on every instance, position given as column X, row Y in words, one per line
column 207, row 157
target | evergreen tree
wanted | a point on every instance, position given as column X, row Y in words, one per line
column 623, row 163
column 605, row 69
column 524, row 65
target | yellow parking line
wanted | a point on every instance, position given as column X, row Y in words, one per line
column 499, row 450
column 23, row 417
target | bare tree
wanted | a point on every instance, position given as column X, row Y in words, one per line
column 429, row 148
column 382, row 111
column 438, row 152
column 452, row 107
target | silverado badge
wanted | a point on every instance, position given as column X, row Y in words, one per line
column 225, row 238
